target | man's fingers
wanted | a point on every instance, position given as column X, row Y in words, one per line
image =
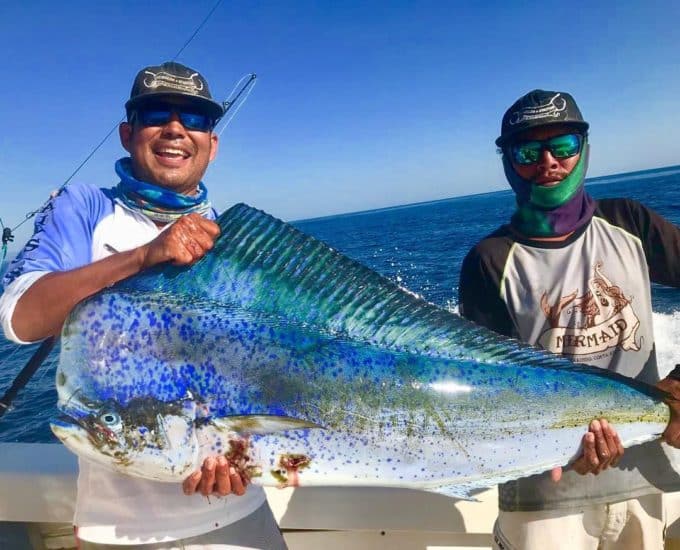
column 193, row 224
column 202, row 232
column 208, row 476
column 210, row 227
column 238, row 487
column 620, row 449
column 614, row 446
column 604, row 455
column 556, row 474
column 602, row 448
column 183, row 257
column 217, row 477
column 588, row 461
column 191, row 483
column 189, row 240
column 222, row 477
column 182, row 243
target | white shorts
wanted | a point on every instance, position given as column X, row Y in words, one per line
column 636, row 524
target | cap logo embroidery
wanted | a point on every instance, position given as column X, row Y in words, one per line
column 190, row 84
column 552, row 109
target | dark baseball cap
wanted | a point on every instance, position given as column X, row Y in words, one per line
column 540, row 108
column 173, row 80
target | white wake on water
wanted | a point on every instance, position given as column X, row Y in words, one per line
column 667, row 335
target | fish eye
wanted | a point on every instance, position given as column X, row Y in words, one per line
column 110, row 420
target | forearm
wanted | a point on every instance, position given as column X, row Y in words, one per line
column 41, row 311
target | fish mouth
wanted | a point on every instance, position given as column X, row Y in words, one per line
column 70, row 432
column 65, row 427
column 65, row 421
column 80, row 439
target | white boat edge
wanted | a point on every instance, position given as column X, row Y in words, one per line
column 38, row 484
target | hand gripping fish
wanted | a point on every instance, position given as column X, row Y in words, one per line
column 304, row 367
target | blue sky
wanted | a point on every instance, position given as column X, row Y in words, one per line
column 358, row 105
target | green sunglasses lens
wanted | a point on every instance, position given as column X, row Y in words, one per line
column 527, row 152
column 564, row 146
column 561, row 147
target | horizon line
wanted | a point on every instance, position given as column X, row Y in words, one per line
column 593, row 180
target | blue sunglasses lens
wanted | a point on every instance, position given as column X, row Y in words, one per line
column 191, row 121
column 195, row 121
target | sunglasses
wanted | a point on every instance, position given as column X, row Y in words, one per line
column 560, row 147
column 161, row 115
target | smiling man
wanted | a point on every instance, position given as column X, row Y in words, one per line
column 88, row 238
column 572, row 275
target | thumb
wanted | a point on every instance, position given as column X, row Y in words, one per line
column 556, row 474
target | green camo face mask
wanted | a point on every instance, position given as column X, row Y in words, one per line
column 551, row 211
column 563, row 192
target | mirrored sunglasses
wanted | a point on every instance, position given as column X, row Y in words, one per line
column 560, row 147
column 160, row 116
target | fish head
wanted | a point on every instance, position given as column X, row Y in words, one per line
column 145, row 437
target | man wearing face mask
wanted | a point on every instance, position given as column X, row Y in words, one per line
column 572, row 275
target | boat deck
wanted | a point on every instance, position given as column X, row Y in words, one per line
column 39, row 483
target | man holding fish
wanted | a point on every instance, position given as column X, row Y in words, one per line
column 87, row 239
column 572, row 275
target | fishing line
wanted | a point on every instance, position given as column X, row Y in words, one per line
column 50, row 361
column 228, row 104
column 115, row 127
column 11, row 354
column 205, row 20
column 7, row 233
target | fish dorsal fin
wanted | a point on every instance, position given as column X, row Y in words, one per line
column 265, row 265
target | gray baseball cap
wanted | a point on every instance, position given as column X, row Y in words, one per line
column 172, row 80
column 540, row 108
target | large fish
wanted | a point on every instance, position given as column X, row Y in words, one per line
column 304, row 367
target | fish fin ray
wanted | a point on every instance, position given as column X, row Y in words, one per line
column 262, row 424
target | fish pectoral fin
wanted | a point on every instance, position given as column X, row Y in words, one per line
column 262, row 424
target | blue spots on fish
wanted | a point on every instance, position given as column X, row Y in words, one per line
column 264, row 330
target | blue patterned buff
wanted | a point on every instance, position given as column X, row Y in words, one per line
column 157, row 203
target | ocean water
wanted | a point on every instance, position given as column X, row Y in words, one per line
column 419, row 246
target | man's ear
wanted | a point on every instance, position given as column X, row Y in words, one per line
column 214, row 141
column 125, row 134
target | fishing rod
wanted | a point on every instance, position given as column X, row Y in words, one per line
column 115, row 126
column 43, row 351
column 26, row 373
column 7, row 237
column 46, row 346
column 229, row 103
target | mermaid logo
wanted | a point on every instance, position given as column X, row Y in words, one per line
column 552, row 109
column 190, row 84
column 601, row 318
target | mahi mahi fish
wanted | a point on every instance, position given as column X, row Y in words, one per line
column 304, row 368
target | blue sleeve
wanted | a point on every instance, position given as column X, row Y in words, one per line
column 62, row 238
